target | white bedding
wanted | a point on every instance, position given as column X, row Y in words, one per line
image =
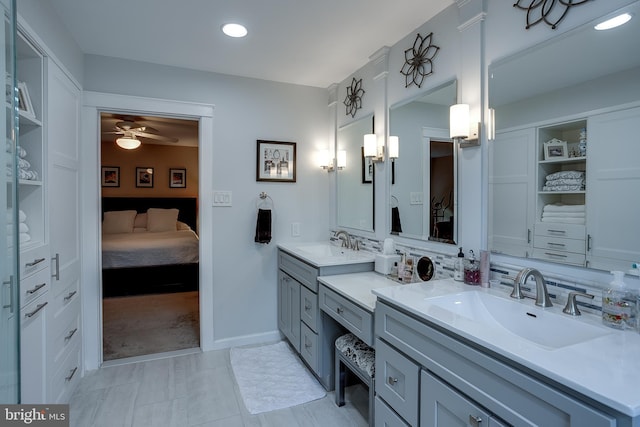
column 146, row 249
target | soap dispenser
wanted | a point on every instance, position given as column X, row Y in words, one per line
column 458, row 267
column 619, row 304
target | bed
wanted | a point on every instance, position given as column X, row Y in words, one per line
column 149, row 245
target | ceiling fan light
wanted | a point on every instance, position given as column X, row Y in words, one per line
column 128, row 143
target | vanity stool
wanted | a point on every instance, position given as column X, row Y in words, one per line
column 359, row 358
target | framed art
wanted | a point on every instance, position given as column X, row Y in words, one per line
column 110, row 176
column 367, row 168
column 276, row 161
column 24, row 100
column 144, row 177
column 177, row 178
column 555, row 149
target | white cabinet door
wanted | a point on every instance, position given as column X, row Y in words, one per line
column 63, row 119
column 512, row 192
column 613, row 195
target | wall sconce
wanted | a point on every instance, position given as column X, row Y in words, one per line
column 371, row 148
column 460, row 128
column 394, row 147
column 491, row 128
column 329, row 164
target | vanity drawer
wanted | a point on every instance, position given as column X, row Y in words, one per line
column 309, row 347
column 64, row 333
column 66, row 300
column 358, row 320
column 309, row 308
column 556, row 244
column 568, row 231
column 397, row 381
column 386, row 417
column 33, row 286
column 559, row 256
column 299, row 270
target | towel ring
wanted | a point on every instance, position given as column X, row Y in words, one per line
column 263, row 203
column 394, row 198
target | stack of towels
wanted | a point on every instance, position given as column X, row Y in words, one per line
column 569, row 214
column 23, row 228
column 24, row 167
column 565, row 181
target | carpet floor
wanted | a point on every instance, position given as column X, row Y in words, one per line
column 149, row 324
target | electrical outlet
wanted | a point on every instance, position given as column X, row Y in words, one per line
column 295, row 229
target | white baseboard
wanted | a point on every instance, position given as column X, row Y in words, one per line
column 266, row 337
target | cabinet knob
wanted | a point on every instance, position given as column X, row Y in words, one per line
column 34, row 262
column 392, row 381
column 474, row 421
column 339, row 310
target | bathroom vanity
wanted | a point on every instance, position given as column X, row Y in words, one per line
column 446, row 351
column 299, row 318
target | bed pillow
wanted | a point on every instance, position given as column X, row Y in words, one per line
column 141, row 221
column 118, row 222
column 162, row 219
column 182, row 226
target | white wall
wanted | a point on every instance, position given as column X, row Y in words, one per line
column 244, row 273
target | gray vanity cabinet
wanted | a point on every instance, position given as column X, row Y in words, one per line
column 459, row 380
column 299, row 317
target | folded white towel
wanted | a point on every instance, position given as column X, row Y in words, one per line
column 563, row 208
column 24, row 237
column 22, row 228
column 565, row 220
column 563, row 214
column 22, row 217
column 565, row 174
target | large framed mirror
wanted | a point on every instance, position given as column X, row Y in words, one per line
column 423, row 197
column 563, row 168
column 355, row 208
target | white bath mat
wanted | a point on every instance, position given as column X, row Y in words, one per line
column 272, row 377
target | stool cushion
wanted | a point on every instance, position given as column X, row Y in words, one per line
column 363, row 356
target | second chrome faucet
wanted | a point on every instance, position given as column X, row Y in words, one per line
column 542, row 295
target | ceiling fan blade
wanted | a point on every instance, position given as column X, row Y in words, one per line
column 154, row 136
column 115, row 132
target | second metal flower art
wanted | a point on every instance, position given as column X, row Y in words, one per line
column 418, row 60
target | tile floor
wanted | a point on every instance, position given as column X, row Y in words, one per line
column 197, row 389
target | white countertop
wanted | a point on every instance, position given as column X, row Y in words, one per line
column 358, row 287
column 606, row 369
column 324, row 254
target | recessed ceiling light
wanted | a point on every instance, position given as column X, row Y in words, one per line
column 616, row 21
column 234, row 30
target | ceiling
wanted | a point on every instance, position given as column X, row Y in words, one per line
column 186, row 131
column 305, row 42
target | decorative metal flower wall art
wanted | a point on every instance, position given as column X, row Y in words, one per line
column 353, row 100
column 551, row 12
column 418, row 60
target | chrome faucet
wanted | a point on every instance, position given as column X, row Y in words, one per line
column 344, row 236
column 542, row 295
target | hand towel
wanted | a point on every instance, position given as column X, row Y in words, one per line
column 565, row 220
column 263, row 226
column 564, row 208
column 396, row 227
column 563, row 214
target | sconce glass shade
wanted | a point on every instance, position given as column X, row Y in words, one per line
column 459, row 121
column 128, row 143
column 342, row 159
column 323, row 159
column 370, row 145
column 394, row 147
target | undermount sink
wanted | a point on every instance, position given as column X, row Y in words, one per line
column 538, row 326
column 325, row 253
column 324, row 250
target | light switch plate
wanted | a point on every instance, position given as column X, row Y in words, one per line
column 295, row 229
column 222, row 198
column 415, row 198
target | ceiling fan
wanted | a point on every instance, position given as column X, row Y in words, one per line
column 131, row 131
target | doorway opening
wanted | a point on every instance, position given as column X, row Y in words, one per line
column 150, row 229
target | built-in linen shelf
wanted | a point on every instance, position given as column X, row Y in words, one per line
column 562, row 192
column 30, row 182
column 26, row 118
column 564, row 161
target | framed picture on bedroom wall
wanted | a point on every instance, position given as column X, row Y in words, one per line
column 110, row 176
column 177, row 178
column 144, row 177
